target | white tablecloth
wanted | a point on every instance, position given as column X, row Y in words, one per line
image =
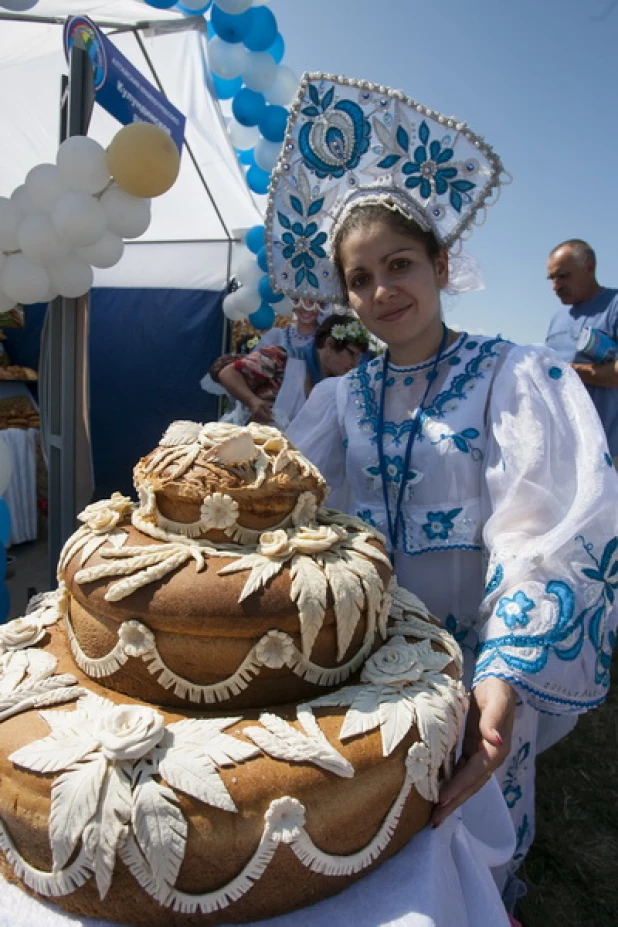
column 441, row 879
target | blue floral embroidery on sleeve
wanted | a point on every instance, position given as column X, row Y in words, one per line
column 366, row 515
column 608, row 460
column 524, row 832
column 511, row 789
column 495, row 580
column 440, row 524
column 606, row 573
column 515, row 611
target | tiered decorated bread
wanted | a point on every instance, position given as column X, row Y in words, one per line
column 227, row 710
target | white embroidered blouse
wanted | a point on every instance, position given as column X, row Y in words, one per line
column 510, row 515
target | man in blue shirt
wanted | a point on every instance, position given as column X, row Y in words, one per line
column 571, row 267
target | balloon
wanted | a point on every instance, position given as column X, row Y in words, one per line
column 6, row 466
column 39, row 240
column 245, row 157
column 263, row 317
column 232, row 306
column 229, row 27
column 23, row 202
column 44, row 186
column 262, row 30
column 247, row 300
column 104, row 253
column 82, row 164
column 277, row 49
column 143, row 160
column 79, row 219
column 10, row 217
column 225, row 60
column 161, row 4
column 127, row 216
column 226, row 89
column 248, row 273
column 71, row 276
column 284, row 88
column 254, row 239
column 242, row 137
column 24, row 281
column 267, row 154
column 273, row 122
column 266, row 291
column 262, row 259
column 258, row 180
column 194, row 7
column 234, row 6
column 259, row 72
column 248, row 107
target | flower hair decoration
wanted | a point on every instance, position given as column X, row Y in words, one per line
column 350, row 141
column 350, row 331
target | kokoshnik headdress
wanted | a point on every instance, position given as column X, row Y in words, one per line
column 350, row 141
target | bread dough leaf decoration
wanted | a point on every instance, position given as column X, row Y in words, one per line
column 141, row 566
column 112, row 758
column 283, row 741
column 309, row 592
column 348, row 597
column 404, row 686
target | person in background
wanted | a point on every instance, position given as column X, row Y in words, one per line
column 307, row 316
column 588, row 311
column 339, row 344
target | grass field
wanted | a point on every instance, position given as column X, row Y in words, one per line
column 572, row 868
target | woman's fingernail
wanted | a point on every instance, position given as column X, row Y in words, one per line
column 497, row 738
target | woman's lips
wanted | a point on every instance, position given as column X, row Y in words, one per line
column 393, row 315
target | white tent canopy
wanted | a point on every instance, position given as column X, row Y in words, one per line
column 188, row 242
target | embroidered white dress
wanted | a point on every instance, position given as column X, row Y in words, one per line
column 509, row 522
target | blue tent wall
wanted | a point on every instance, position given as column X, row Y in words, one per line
column 148, row 351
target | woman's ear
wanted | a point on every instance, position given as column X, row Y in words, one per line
column 441, row 268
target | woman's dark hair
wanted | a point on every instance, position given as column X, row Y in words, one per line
column 363, row 215
column 324, row 329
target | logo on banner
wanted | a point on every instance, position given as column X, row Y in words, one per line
column 80, row 31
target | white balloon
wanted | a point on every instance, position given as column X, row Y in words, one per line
column 284, row 308
column 71, row 276
column 243, row 137
column 194, row 5
column 234, row 7
column 39, row 240
column 226, row 59
column 6, row 466
column 127, row 216
column 22, row 280
column 82, row 163
column 10, row 217
column 104, row 253
column 248, row 272
column 284, row 87
column 266, row 154
column 23, row 202
column 247, row 300
column 79, row 219
column 6, row 302
column 259, row 71
column 44, row 186
column 231, row 306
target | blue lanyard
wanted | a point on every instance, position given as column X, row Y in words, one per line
column 393, row 523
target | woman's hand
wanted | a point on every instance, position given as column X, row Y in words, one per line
column 486, row 744
column 261, row 411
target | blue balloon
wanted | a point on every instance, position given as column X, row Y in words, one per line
column 199, row 11
column 262, row 30
column 277, row 49
column 248, row 107
column 266, row 291
column 5, row 522
column 254, row 239
column 210, row 32
column 263, row 317
column 257, row 179
column 161, row 4
column 245, row 157
column 230, row 27
column 262, row 259
column 272, row 123
column 226, row 89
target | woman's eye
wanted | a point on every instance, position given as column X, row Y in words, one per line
column 400, row 264
column 358, row 281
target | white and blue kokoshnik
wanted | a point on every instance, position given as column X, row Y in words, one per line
column 508, row 529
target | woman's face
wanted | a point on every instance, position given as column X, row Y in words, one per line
column 395, row 288
column 336, row 363
column 306, row 311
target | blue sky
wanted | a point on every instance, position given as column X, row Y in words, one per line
column 537, row 78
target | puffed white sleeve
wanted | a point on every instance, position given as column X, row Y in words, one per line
column 318, row 432
column 550, row 499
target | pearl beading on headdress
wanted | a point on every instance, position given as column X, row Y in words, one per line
column 351, row 141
